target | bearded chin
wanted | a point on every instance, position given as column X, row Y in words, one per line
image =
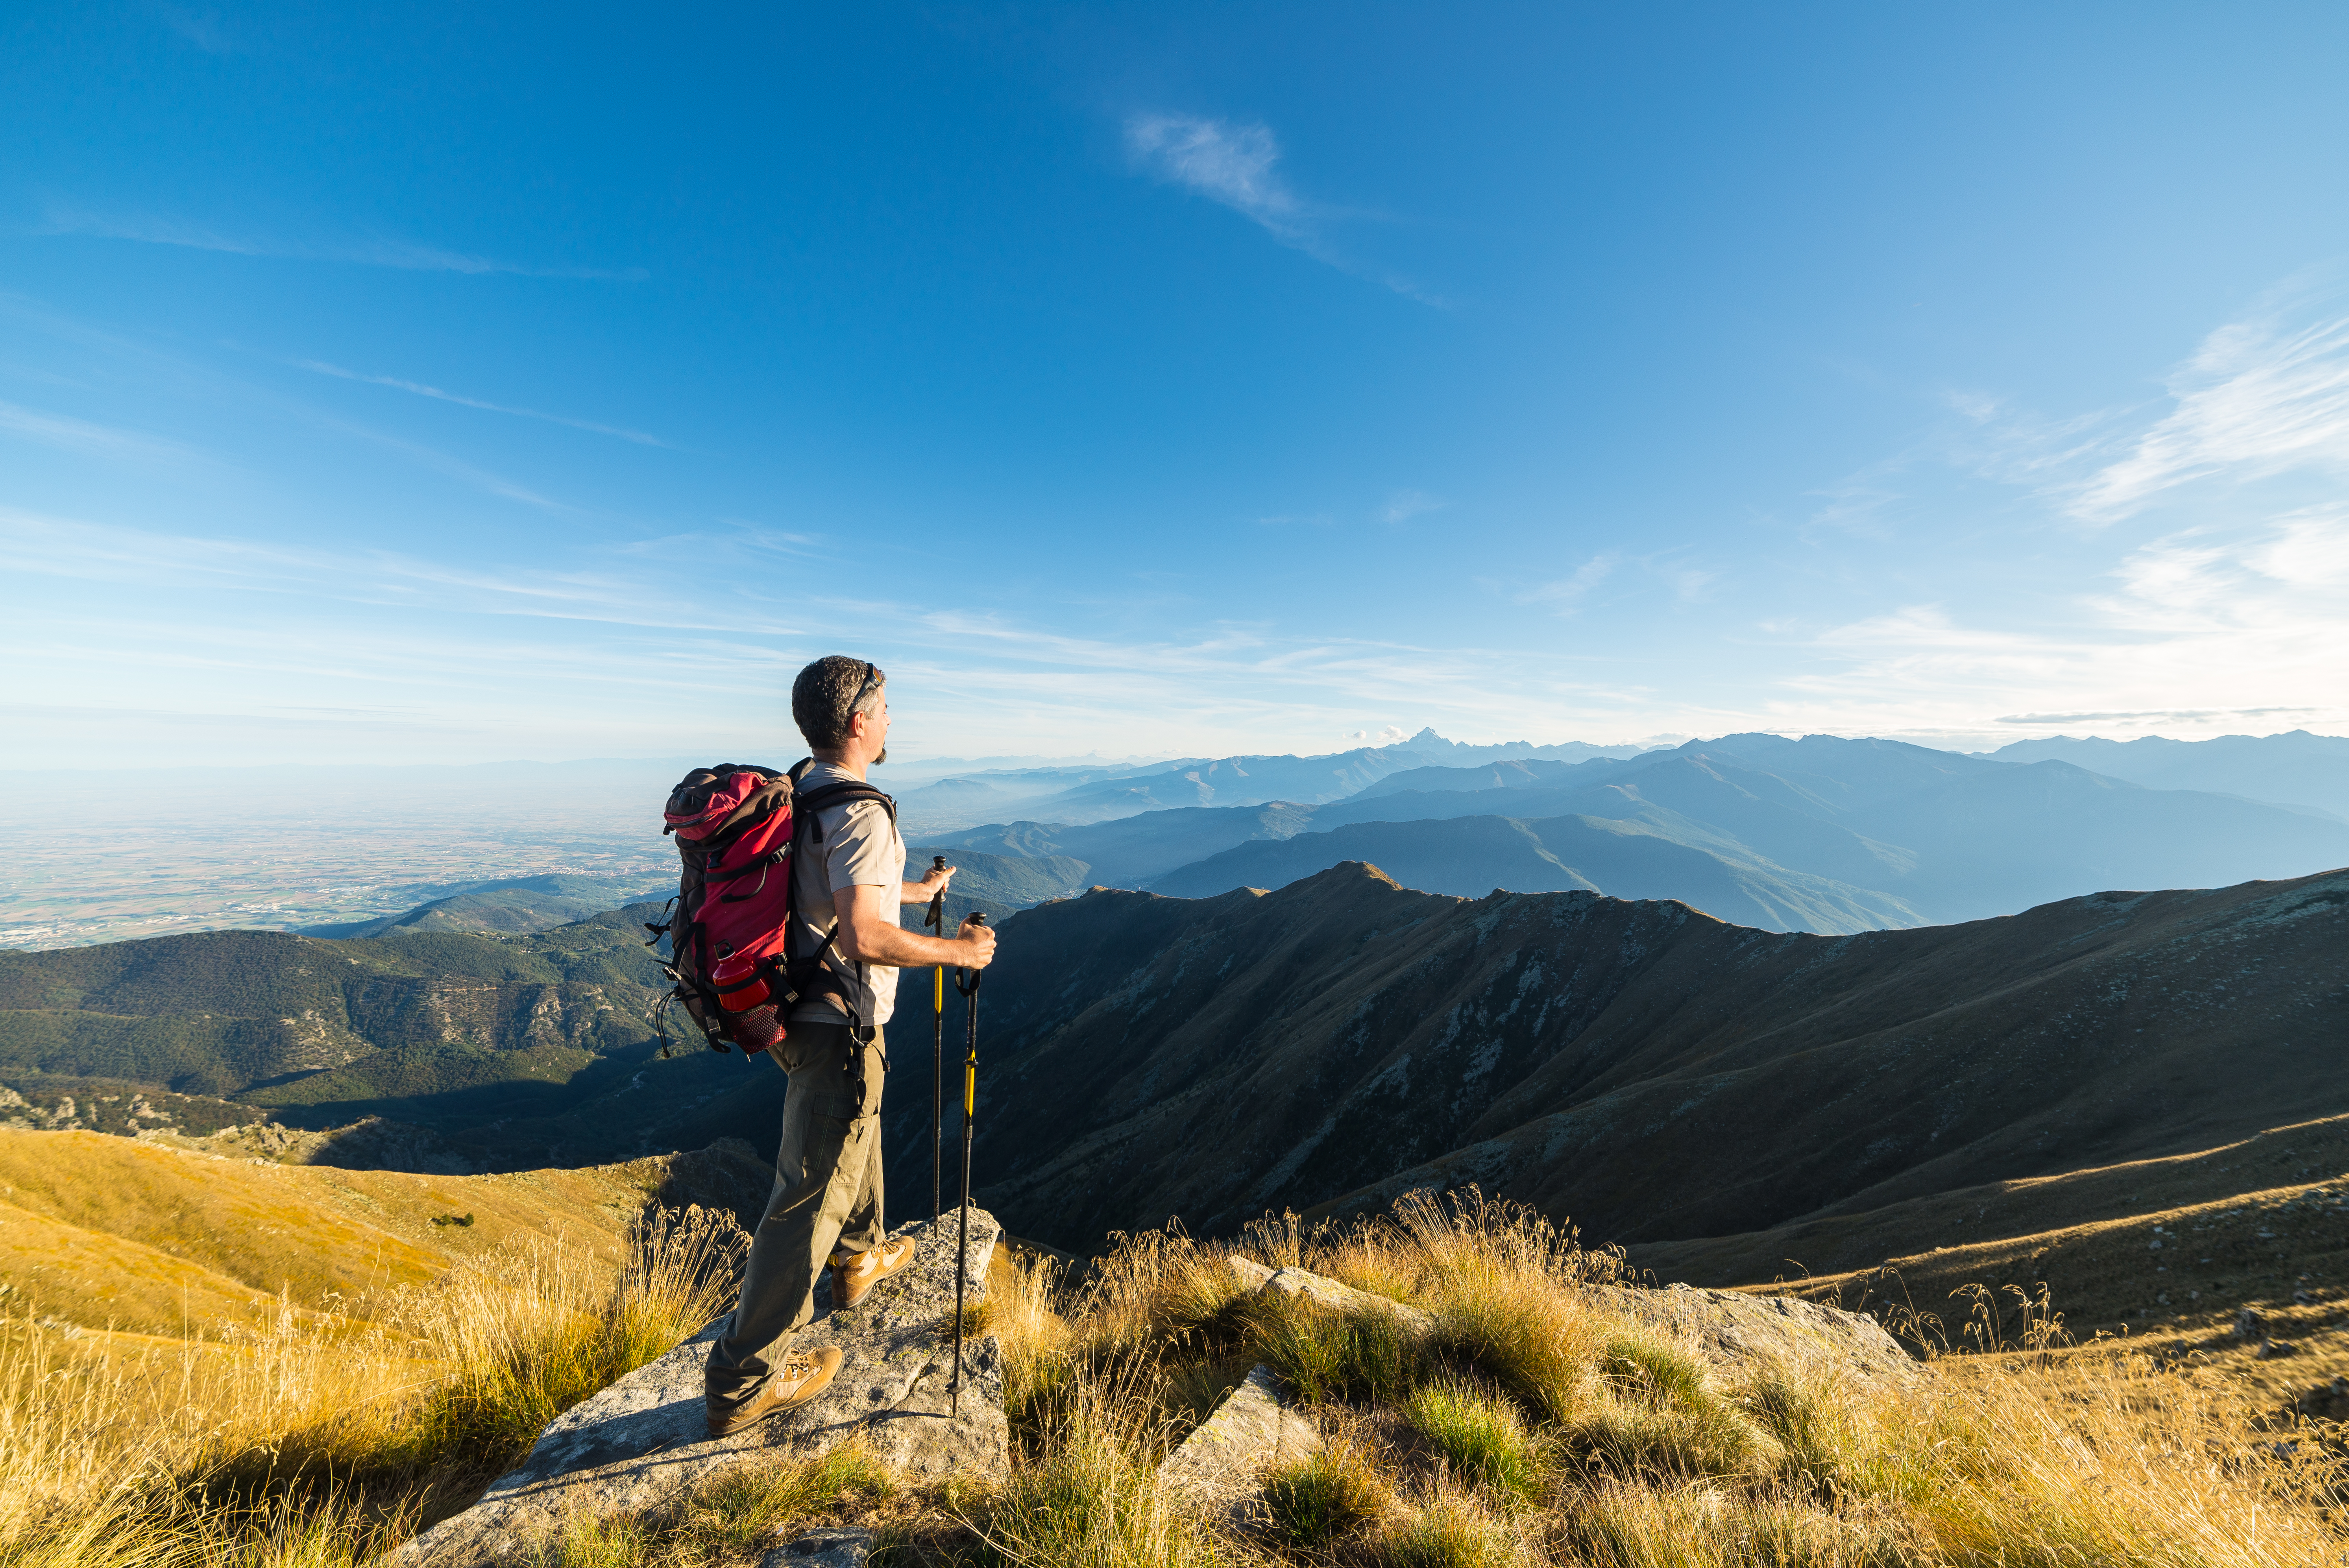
column 883, row 756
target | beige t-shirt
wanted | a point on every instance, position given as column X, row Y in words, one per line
column 860, row 847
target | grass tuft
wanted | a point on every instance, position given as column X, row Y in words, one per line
column 1091, row 1499
column 1480, row 1437
column 1330, row 1498
column 740, row 1508
column 1451, row 1533
column 1327, row 1356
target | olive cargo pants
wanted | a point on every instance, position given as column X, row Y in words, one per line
column 827, row 1196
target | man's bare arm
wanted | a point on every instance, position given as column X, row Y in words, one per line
column 869, row 934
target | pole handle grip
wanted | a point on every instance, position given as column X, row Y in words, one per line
column 966, row 980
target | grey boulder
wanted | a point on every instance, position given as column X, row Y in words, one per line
column 644, row 1442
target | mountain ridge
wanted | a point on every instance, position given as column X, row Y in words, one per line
column 1385, row 1038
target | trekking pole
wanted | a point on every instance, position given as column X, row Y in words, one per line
column 967, row 982
column 937, row 921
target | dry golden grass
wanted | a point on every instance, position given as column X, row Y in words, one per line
column 1526, row 1424
column 319, row 1438
column 1531, row 1425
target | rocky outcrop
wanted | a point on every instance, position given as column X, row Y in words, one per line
column 1729, row 1330
column 1326, row 1292
column 642, row 1442
column 1220, row 1466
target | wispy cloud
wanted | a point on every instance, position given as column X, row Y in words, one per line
column 73, row 434
column 1225, row 162
column 204, row 30
column 371, row 250
column 1236, row 164
column 2260, row 397
column 2155, row 714
column 421, row 390
column 1405, row 504
column 456, row 469
column 1690, row 583
column 1564, row 594
column 2194, row 623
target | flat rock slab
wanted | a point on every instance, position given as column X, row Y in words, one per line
column 1732, row 1330
column 1219, row 1467
column 822, row 1549
column 644, row 1442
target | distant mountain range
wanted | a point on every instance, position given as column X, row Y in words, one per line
column 2296, row 769
column 1818, row 834
column 1077, row 795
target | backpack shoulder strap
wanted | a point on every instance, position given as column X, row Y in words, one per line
column 809, row 971
column 811, row 801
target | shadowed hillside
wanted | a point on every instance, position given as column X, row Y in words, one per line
column 499, row 1054
column 1648, row 1070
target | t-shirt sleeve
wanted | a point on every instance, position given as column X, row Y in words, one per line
column 863, row 853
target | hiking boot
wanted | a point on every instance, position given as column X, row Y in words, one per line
column 854, row 1274
column 795, row 1380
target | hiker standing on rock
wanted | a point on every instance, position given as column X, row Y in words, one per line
column 826, row 1203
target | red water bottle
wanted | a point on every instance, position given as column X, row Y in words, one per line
column 750, row 1007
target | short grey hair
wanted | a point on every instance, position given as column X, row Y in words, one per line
column 831, row 691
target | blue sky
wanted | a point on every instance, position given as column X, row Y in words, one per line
column 450, row 384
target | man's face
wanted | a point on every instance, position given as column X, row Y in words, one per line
column 876, row 727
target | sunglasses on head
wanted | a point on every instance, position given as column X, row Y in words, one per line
column 871, row 679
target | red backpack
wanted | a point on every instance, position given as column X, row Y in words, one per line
column 729, row 926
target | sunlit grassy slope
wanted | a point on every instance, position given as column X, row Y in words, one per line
column 102, row 1231
column 219, row 1361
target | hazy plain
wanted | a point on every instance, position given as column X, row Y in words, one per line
column 105, row 856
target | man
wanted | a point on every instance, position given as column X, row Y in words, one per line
column 826, row 1202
